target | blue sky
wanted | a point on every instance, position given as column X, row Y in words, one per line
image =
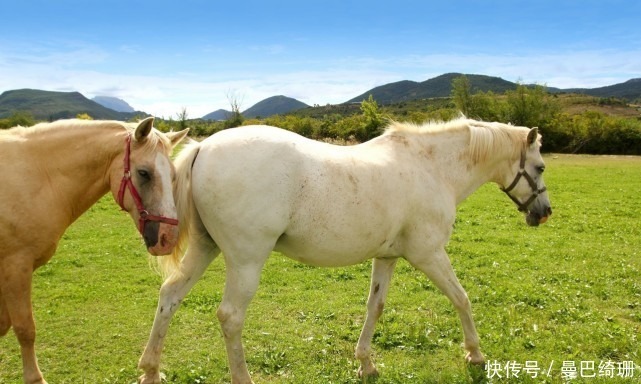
column 163, row 56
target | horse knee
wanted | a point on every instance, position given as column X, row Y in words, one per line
column 224, row 315
column 229, row 320
column 167, row 288
column 461, row 302
column 375, row 308
column 26, row 334
column 168, row 299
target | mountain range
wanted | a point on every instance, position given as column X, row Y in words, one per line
column 441, row 86
column 47, row 105
column 114, row 103
column 217, row 115
column 275, row 105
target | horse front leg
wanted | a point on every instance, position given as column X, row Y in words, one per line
column 16, row 310
column 172, row 292
column 438, row 269
column 382, row 270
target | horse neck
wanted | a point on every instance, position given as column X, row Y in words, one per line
column 455, row 164
column 76, row 163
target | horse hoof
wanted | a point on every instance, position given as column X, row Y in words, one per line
column 38, row 380
column 476, row 358
column 242, row 381
column 370, row 373
column 151, row 379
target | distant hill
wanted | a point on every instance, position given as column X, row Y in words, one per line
column 629, row 90
column 221, row 114
column 390, row 93
column 49, row 105
column 440, row 86
column 275, row 105
column 114, row 103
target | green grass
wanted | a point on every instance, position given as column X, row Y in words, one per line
column 569, row 290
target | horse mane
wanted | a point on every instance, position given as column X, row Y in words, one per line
column 485, row 139
column 41, row 129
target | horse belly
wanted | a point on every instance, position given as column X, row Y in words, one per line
column 340, row 233
column 331, row 253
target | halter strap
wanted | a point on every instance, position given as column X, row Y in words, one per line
column 127, row 183
column 523, row 206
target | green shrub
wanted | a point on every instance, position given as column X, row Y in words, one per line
column 23, row 119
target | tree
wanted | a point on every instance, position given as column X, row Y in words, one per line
column 19, row 118
column 461, row 94
column 486, row 106
column 480, row 105
column 373, row 120
column 530, row 106
column 236, row 119
column 182, row 118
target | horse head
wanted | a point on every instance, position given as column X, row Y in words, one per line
column 142, row 184
column 527, row 188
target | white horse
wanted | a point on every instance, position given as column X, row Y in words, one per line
column 251, row 190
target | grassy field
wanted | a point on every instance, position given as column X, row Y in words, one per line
column 564, row 295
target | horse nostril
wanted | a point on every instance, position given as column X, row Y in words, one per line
column 163, row 240
column 549, row 211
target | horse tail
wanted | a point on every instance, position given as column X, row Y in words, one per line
column 185, row 208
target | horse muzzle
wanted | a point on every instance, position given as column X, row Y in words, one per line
column 160, row 238
column 533, row 217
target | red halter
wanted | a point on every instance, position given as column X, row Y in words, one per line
column 127, row 183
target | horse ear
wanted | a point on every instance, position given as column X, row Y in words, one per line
column 532, row 136
column 176, row 137
column 144, row 128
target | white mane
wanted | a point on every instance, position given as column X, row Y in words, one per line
column 485, row 139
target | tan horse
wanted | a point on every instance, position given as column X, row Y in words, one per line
column 249, row 190
column 52, row 173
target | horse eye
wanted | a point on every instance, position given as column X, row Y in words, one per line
column 144, row 174
column 540, row 168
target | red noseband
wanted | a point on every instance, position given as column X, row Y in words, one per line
column 126, row 182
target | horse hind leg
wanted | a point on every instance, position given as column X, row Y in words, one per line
column 201, row 252
column 382, row 270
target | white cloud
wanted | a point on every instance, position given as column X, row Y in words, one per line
column 84, row 68
column 585, row 69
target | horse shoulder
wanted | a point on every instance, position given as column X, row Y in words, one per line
column 247, row 175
